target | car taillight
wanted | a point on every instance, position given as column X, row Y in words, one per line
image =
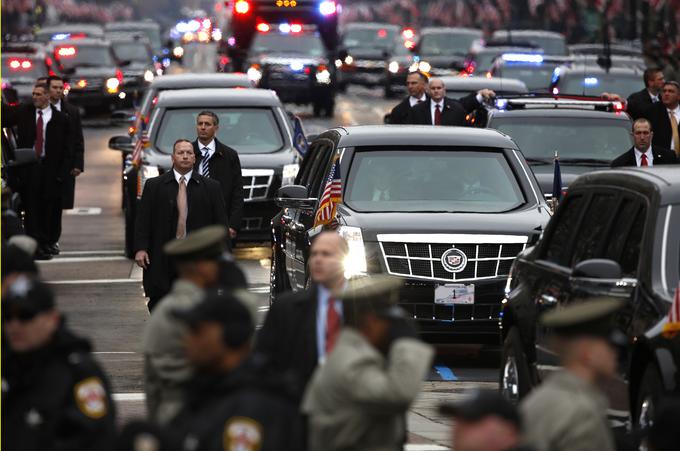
column 382, row 33
column 327, row 8
column 66, row 51
column 119, row 76
column 262, row 27
column 81, row 83
column 295, row 28
column 408, row 33
column 409, row 44
column 17, row 64
column 241, row 7
column 321, row 68
column 618, row 106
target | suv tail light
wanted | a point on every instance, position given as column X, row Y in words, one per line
column 241, row 7
column 295, row 28
column 119, row 76
column 262, row 27
column 66, row 52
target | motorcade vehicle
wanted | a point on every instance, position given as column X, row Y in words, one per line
column 293, row 61
column 445, row 209
column 598, row 49
column 586, row 133
column 482, row 54
column 614, row 235
column 92, row 70
column 151, row 30
column 363, row 51
column 397, row 67
column 534, row 69
column 251, row 121
column 67, row 31
column 22, row 65
column 247, row 15
column 443, row 50
column 551, row 42
column 136, row 59
column 593, row 80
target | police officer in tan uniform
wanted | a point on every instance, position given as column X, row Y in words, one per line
column 568, row 412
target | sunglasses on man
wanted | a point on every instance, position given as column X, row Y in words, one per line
column 22, row 315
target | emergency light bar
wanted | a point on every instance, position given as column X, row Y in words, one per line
column 569, row 102
column 522, row 58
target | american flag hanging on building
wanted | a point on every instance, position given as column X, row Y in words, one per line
column 332, row 195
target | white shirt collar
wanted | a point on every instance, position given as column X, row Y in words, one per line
column 46, row 110
column 414, row 100
column 675, row 110
column 57, row 105
column 187, row 176
column 210, row 146
column 652, row 95
column 648, row 153
column 440, row 103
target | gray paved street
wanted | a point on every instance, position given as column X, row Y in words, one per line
column 101, row 291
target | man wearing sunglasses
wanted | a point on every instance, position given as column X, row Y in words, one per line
column 54, row 395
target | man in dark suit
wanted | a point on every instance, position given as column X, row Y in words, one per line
column 441, row 110
column 643, row 154
column 55, row 87
column 219, row 162
column 665, row 118
column 45, row 129
column 416, row 85
column 639, row 102
column 301, row 328
column 172, row 205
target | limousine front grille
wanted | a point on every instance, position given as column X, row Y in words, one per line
column 420, row 256
column 256, row 183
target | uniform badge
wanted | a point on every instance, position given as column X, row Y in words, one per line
column 242, row 434
column 90, row 397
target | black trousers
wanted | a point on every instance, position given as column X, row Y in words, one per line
column 43, row 209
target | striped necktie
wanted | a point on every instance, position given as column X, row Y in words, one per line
column 205, row 162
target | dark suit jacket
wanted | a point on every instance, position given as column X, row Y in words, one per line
column 78, row 152
column 661, row 124
column 400, row 113
column 661, row 156
column 288, row 337
column 225, row 167
column 638, row 103
column 156, row 222
column 454, row 111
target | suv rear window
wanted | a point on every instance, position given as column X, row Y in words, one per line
column 17, row 67
column 71, row 56
column 246, row 130
column 447, row 180
column 595, row 84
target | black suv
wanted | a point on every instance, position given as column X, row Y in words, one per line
column 363, row 51
column 293, row 61
column 446, row 209
column 616, row 234
column 22, row 64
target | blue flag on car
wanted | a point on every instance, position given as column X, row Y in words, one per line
column 557, row 180
column 299, row 139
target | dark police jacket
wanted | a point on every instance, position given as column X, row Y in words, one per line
column 657, row 114
column 156, row 222
column 661, row 156
column 400, row 113
column 453, row 113
column 638, row 103
column 56, row 398
column 248, row 407
column 225, row 167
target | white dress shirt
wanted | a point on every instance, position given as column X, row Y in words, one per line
column 186, row 176
column 414, row 100
column 57, row 105
column 654, row 97
column 211, row 152
column 648, row 153
column 433, row 106
column 321, row 319
column 676, row 113
column 46, row 115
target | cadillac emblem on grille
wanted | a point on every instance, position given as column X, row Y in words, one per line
column 454, row 260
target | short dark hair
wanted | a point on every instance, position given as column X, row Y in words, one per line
column 41, row 80
column 181, row 140
column 422, row 75
column 642, row 120
column 649, row 73
column 216, row 120
column 41, row 85
column 52, row 78
column 672, row 83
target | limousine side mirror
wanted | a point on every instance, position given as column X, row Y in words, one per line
column 22, row 157
column 122, row 116
column 295, row 196
column 600, row 277
column 597, row 268
column 122, row 143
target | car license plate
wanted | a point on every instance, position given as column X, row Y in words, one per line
column 454, row 293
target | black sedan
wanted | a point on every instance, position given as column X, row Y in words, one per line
column 446, row 209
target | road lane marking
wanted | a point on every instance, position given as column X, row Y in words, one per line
column 118, row 258
column 445, row 373
column 84, row 211
column 114, row 352
column 129, row 396
column 424, row 447
column 91, row 281
column 259, row 289
column 91, row 253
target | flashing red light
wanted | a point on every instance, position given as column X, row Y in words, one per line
column 262, row 27
column 77, row 36
column 14, row 64
column 470, row 68
column 66, row 51
column 619, row 106
column 382, row 33
column 155, row 100
column 408, row 33
column 119, row 76
column 295, row 28
column 26, row 64
column 48, row 60
column 308, row 70
column 241, row 7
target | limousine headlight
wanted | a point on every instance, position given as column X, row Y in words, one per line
column 355, row 261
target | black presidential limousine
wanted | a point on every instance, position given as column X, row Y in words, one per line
column 446, row 209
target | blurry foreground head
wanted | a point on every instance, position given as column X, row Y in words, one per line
column 220, row 332
column 327, row 258
column 586, row 337
column 484, row 421
column 197, row 257
column 29, row 316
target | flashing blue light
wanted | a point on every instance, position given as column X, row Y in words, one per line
column 60, row 36
column 590, row 81
column 182, row 27
column 501, row 104
column 284, row 28
column 327, row 7
column 522, row 58
column 297, row 66
column 556, row 75
column 166, row 62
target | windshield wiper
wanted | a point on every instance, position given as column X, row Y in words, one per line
column 586, row 161
column 539, row 161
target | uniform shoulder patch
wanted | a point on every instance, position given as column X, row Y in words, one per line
column 90, row 396
column 242, row 434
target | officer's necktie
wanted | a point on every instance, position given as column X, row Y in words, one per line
column 674, row 129
column 437, row 115
column 205, row 162
column 182, row 209
column 39, row 144
column 643, row 160
column 332, row 325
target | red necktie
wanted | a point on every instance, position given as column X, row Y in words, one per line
column 332, row 325
column 437, row 115
column 39, row 135
column 643, row 160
